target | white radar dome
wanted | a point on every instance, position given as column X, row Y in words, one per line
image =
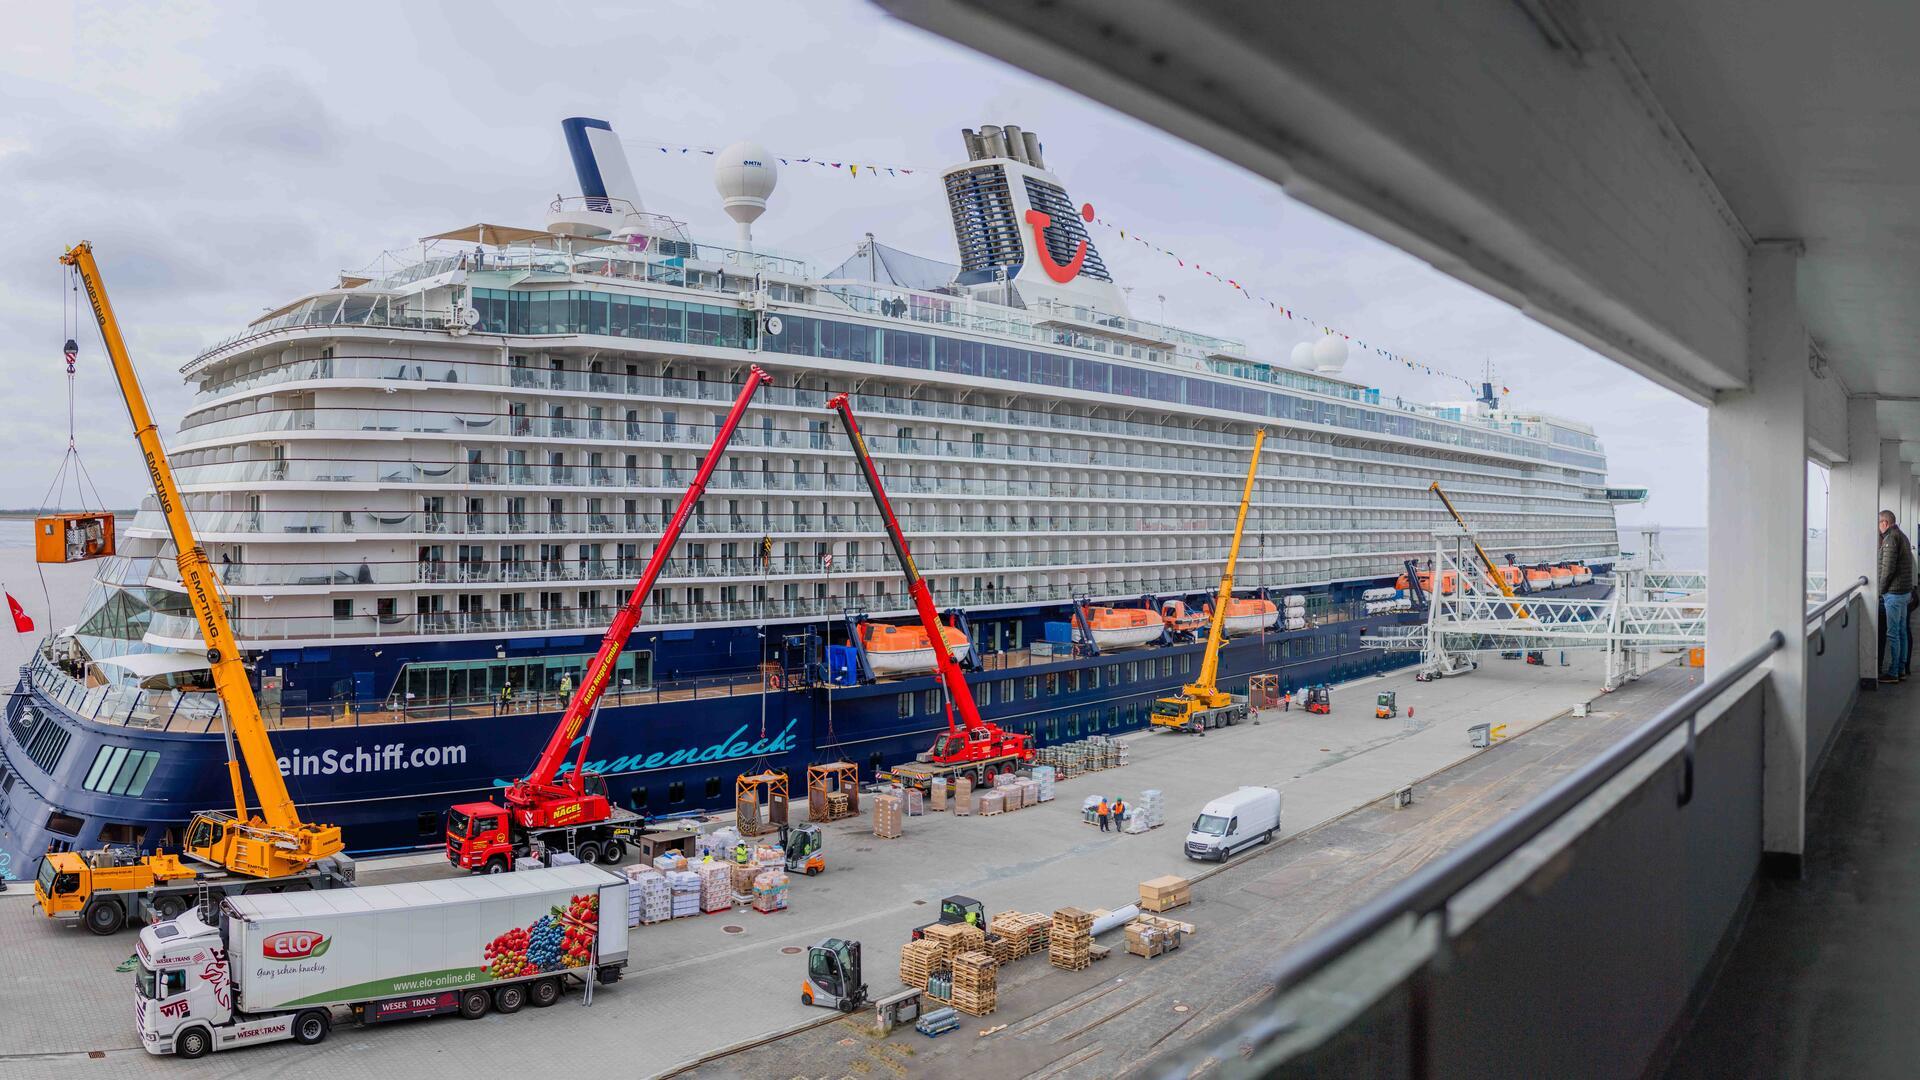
column 1303, row 355
column 1329, row 354
column 745, row 174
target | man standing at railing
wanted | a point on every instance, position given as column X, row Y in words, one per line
column 1896, row 594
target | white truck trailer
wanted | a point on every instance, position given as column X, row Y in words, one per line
column 277, row 966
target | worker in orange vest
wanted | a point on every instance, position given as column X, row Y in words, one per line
column 1102, row 810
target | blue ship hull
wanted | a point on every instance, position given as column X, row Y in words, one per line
column 387, row 785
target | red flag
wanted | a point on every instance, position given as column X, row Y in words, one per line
column 21, row 623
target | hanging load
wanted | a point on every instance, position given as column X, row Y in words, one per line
column 68, row 538
column 74, row 537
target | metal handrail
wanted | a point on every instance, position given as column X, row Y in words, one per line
column 1819, row 613
column 1430, row 889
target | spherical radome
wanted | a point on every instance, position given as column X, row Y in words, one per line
column 1330, row 353
column 1303, row 355
column 745, row 175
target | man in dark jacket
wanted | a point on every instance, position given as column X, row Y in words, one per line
column 1896, row 594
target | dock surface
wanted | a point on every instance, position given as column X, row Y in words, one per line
column 701, row 984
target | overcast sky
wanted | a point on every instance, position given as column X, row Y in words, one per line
column 224, row 161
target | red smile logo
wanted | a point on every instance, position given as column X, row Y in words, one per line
column 1062, row 274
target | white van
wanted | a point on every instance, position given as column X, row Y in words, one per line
column 1231, row 822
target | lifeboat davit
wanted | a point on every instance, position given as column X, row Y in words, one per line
column 905, row 650
column 1182, row 619
column 1117, row 628
column 1426, row 582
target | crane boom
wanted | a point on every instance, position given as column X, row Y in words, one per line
column 1217, row 629
column 959, row 698
column 245, row 725
column 1493, row 571
column 529, row 795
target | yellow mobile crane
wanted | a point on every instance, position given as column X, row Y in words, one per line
column 1493, row 572
column 273, row 848
column 1201, row 703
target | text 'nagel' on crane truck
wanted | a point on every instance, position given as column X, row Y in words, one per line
column 229, row 852
column 567, row 809
column 277, row 966
column 972, row 747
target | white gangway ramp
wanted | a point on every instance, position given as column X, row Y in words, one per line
column 1629, row 622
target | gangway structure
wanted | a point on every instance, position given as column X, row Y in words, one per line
column 1629, row 623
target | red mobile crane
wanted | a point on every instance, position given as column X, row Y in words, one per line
column 971, row 747
column 571, row 812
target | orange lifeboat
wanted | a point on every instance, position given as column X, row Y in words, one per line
column 905, row 650
column 1248, row 615
column 1117, row 628
column 1562, row 576
column 1539, row 580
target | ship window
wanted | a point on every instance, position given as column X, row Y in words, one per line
column 427, row 823
column 342, row 610
column 931, row 700
column 1006, row 691
column 100, row 764
column 713, row 787
column 677, row 792
column 904, row 704
column 1113, row 717
column 637, row 798
column 983, row 693
column 1166, row 666
column 1053, row 683
column 65, row 824
column 1073, row 725
column 1053, row 728
column 1032, row 688
column 1073, row 681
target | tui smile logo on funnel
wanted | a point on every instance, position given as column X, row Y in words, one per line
column 1040, row 220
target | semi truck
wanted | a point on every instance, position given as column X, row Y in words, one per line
column 265, row 968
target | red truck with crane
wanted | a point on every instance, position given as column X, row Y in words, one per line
column 972, row 747
column 567, row 809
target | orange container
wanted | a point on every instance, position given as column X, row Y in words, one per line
column 68, row 538
column 1696, row 657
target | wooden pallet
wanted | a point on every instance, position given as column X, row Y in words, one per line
column 1069, row 939
column 918, row 961
column 975, row 983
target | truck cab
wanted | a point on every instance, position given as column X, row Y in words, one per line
column 480, row 836
column 61, row 884
column 184, row 995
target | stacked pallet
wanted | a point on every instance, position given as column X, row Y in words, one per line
column 954, row 939
column 937, row 794
column 686, row 892
column 916, row 802
column 770, row 891
column 1068, row 939
column 1154, row 805
column 962, row 797
column 716, row 887
column 919, row 961
column 1165, row 893
column 837, row 805
column 993, row 802
column 1043, row 778
column 889, row 817
column 1149, row 939
column 1003, row 948
column 650, row 899
column 742, row 875
column 1024, row 932
column 976, row 986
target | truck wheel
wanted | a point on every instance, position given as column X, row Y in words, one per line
column 495, row 865
column 509, row 998
column 311, row 1026
column 169, row 907
column 473, row 1004
column 192, row 1043
column 588, row 852
column 544, row 993
column 106, row 917
column 614, row 853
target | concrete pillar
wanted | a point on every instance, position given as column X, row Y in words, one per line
column 1757, row 530
column 1853, row 510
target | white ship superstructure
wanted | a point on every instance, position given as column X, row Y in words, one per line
column 482, row 444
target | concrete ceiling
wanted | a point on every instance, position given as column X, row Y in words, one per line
column 1807, row 116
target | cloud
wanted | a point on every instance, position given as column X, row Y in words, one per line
column 226, row 160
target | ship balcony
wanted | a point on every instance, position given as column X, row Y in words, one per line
column 383, row 372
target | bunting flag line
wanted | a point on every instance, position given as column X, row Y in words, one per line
column 1411, row 363
column 852, row 169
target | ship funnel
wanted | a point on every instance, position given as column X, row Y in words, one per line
column 1016, row 146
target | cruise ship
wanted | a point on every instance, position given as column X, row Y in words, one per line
column 426, row 490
